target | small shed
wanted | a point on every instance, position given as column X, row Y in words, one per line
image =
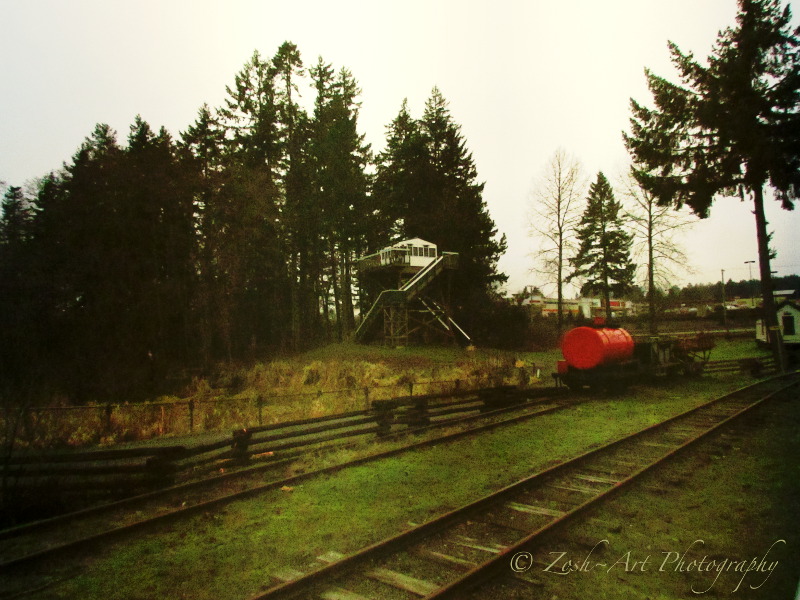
column 788, row 323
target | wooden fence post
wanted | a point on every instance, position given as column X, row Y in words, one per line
column 418, row 417
column 239, row 445
column 384, row 417
column 191, row 416
column 109, row 410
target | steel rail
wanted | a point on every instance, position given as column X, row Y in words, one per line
column 383, row 548
column 117, row 532
column 435, row 410
column 491, row 567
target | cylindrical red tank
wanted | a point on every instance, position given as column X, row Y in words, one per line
column 587, row 347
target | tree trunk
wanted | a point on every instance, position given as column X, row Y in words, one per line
column 560, row 293
column 336, row 284
column 347, row 294
column 651, row 285
column 770, row 312
column 651, row 275
column 294, row 301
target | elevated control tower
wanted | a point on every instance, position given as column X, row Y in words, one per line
column 408, row 287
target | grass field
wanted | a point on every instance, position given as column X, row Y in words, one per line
column 332, row 379
column 737, row 348
column 734, row 507
column 231, row 553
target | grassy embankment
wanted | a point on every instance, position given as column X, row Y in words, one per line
column 232, row 553
column 333, row 379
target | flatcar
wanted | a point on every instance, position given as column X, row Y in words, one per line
column 609, row 358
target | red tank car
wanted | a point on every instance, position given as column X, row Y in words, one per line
column 597, row 357
column 608, row 357
column 588, row 347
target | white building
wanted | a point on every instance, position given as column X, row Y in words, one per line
column 415, row 252
column 788, row 323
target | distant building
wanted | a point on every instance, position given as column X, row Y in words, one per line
column 757, row 301
column 587, row 308
column 785, row 295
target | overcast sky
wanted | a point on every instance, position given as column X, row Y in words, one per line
column 523, row 78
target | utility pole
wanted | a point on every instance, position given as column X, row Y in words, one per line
column 749, row 264
column 724, row 309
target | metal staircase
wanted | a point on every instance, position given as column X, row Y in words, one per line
column 443, row 318
column 422, row 278
column 393, row 306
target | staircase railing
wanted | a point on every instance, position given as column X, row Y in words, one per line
column 421, row 279
column 385, row 297
column 408, row 292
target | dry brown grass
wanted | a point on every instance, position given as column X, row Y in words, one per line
column 336, row 379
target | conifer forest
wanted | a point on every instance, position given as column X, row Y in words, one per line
column 147, row 253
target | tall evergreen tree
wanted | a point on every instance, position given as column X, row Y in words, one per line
column 298, row 208
column 402, row 170
column 359, row 215
column 343, row 216
column 731, row 128
column 456, row 214
column 85, row 230
column 250, row 258
column 203, row 149
column 17, row 321
column 250, row 116
column 603, row 262
column 429, row 173
column 158, row 207
column 51, row 278
column 15, row 218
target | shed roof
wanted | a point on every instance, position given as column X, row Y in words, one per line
column 790, row 304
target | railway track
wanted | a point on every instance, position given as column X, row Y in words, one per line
column 87, row 478
column 458, row 551
column 40, row 542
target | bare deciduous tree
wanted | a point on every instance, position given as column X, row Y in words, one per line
column 655, row 248
column 553, row 216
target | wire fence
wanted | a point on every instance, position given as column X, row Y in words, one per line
column 105, row 424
